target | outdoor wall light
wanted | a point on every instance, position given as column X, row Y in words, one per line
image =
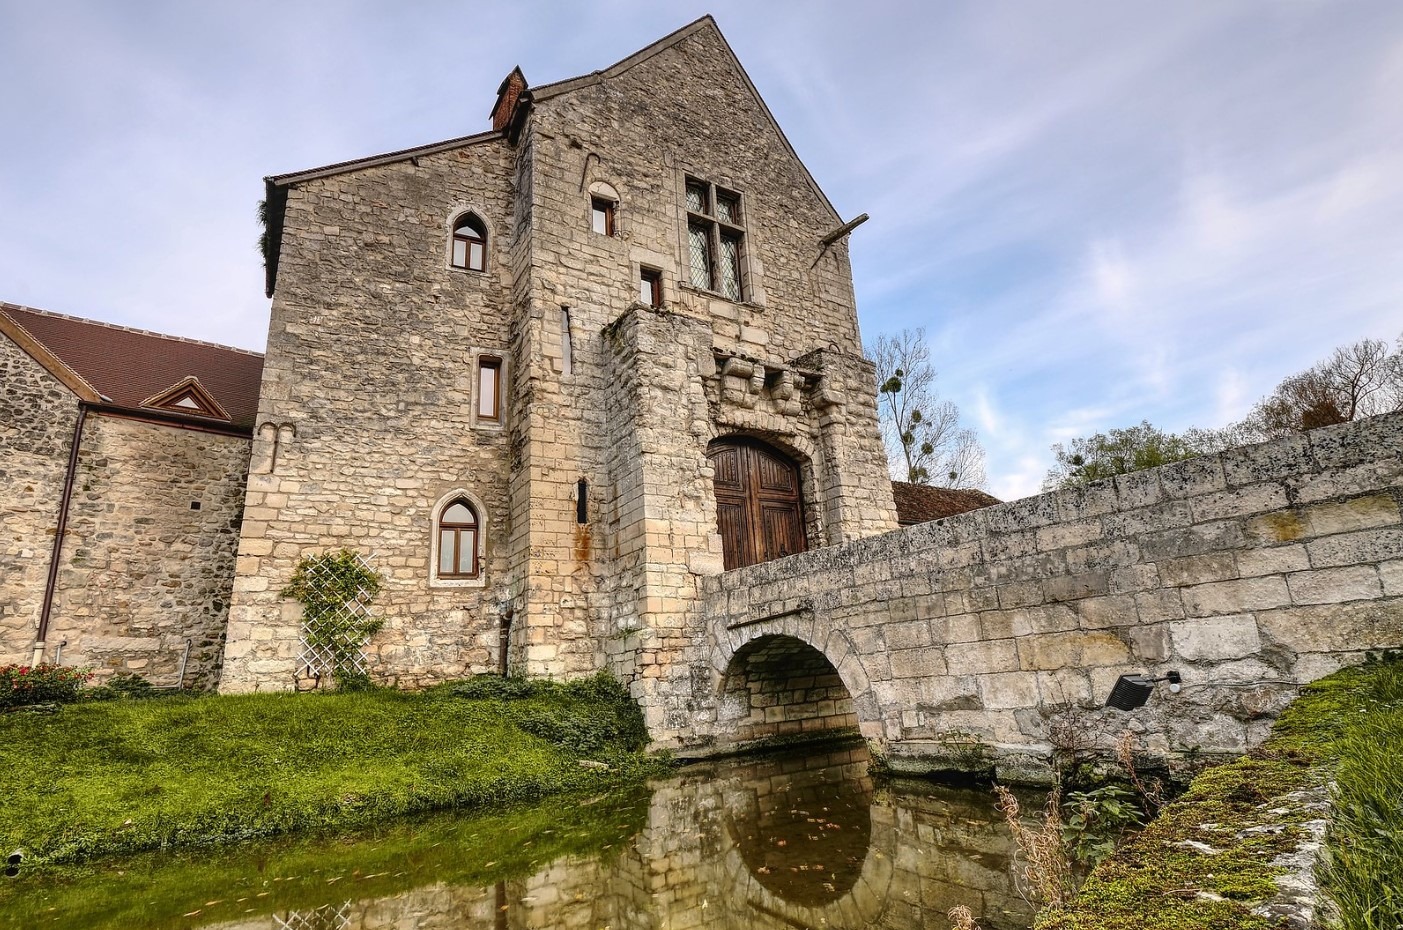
column 1132, row 691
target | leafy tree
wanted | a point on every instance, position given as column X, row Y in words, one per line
column 924, row 439
column 1118, row 451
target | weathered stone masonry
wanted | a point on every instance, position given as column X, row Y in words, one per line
column 1248, row 572
column 369, row 377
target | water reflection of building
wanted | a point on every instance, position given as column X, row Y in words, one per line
column 788, row 842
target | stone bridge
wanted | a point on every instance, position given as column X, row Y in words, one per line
column 995, row 636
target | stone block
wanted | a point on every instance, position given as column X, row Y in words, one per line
column 1197, row 569
column 1192, row 540
column 1335, row 627
column 1154, row 606
column 1149, row 644
column 912, row 634
column 1075, row 587
column 1361, row 513
column 1361, row 441
column 978, row 658
column 1192, row 477
column 1355, row 548
column 1268, row 461
column 1063, row 686
column 1272, row 560
column 1230, row 597
column 1008, row 691
column 916, row 663
column 1098, row 613
column 1391, row 574
column 1239, row 502
column 1334, row 585
column 1215, row 639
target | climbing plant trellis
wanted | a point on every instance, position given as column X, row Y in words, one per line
column 326, row 917
column 335, row 589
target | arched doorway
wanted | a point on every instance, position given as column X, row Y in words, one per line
column 759, row 508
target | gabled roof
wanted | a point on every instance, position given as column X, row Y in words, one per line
column 920, row 503
column 138, row 370
column 276, row 185
column 547, row 91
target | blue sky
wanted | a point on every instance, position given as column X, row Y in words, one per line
column 1101, row 212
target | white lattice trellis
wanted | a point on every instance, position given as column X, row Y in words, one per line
column 326, row 917
column 325, row 648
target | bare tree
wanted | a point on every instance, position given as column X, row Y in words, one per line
column 925, row 442
column 1356, row 381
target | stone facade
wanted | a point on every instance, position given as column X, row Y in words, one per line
column 145, row 577
column 1248, row 572
column 150, row 519
column 37, row 417
column 370, row 391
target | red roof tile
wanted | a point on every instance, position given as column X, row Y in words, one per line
column 127, row 366
column 919, row 503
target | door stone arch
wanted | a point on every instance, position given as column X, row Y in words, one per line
column 759, row 501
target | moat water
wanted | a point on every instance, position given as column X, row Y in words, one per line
column 793, row 841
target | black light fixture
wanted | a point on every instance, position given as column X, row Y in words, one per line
column 1132, row 691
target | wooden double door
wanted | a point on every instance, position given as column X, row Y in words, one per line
column 759, row 508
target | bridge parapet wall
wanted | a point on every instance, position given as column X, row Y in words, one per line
column 1249, row 572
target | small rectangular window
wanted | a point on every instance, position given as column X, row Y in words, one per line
column 489, row 389
column 650, row 287
column 582, row 501
column 602, row 216
column 715, row 250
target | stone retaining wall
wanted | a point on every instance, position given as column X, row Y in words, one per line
column 1248, row 572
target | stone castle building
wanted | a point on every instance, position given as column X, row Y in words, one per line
column 554, row 374
column 545, row 377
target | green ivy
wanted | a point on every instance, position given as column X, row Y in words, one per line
column 325, row 584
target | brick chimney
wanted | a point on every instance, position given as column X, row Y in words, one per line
column 513, row 85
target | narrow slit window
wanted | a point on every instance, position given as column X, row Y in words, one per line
column 567, row 345
column 469, row 243
column 602, row 216
column 489, row 388
column 650, row 287
column 582, row 501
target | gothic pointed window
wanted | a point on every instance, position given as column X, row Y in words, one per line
column 458, row 541
column 469, row 243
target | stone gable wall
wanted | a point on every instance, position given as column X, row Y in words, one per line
column 646, row 390
column 37, row 416
column 143, row 572
column 1248, row 572
column 368, row 391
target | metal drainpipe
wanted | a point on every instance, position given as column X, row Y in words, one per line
column 62, row 527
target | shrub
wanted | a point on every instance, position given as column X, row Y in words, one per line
column 26, row 685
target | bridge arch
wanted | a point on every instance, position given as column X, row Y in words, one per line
column 775, row 682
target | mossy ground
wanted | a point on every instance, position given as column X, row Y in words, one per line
column 125, row 776
column 178, row 888
column 1159, row 881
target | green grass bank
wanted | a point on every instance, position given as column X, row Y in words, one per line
column 1206, row 860
column 124, row 776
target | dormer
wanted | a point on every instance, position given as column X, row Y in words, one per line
column 187, row 396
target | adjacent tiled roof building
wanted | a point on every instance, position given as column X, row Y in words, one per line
column 146, row 372
column 919, row 503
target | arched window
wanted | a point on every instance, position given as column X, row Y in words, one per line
column 470, row 243
column 457, row 541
